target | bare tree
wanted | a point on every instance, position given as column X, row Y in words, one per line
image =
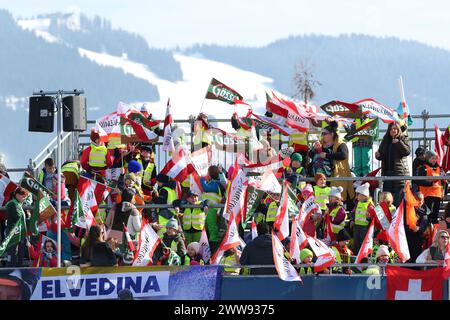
column 304, row 81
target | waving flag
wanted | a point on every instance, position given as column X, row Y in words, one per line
column 281, row 223
column 330, row 236
column 219, row 91
column 439, row 144
column 17, row 233
column 397, row 236
column 325, row 255
column 142, row 127
column 108, row 127
column 179, row 167
column 342, row 109
column 446, row 273
column 367, row 245
column 275, row 164
column 411, row 204
column 377, row 110
column 168, row 144
column 235, row 204
column 92, row 193
column 268, row 182
column 205, row 250
column 285, row 269
column 254, row 230
column 148, row 242
column 6, row 187
column 308, row 207
column 230, row 240
column 294, row 249
column 128, row 238
column 275, row 124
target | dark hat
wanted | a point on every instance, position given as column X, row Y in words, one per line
column 125, row 294
column 161, row 177
column 343, row 236
column 191, row 193
column 421, row 151
column 146, row 147
column 127, row 194
column 332, row 127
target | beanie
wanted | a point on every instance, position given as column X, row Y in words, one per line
column 336, row 192
column 195, row 246
column 296, row 157
column 94, row 135
column 161, row 177
column 305, row 253
column 308, row 189
column 172, row 223
column 382, row 250
column 429, row 154
column 134, row 166
column 364, row 189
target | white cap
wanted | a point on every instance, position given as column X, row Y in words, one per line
column 383, row 250
column 336, row 192
column 364, row 189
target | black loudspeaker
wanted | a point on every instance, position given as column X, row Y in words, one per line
column 40, row 117
column 74, row 114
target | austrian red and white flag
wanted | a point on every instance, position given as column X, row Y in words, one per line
column 308, row 207
column 108, row 127
column 281, row 223
column 205, row 250
column 268, row 182
column 128, row 237
column 446, row 273
column 297, row 235
column 397, row 236
column 289, row 111
column 275, row 164
column 330, row 236
column 254, row 230
column 325, row 255
column 6, row 187
column 230, row 240
column 367, row 245
column 148, row 242
column 179, row 167
column 168, row 144
column 407, row 284
column 235, row 202
column 285, row 269
column 377, row 110
column 439, row 144
column 92, row 194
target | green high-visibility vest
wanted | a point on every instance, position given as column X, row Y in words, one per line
column 194, row 218
column 272, row 212
column 321, row 195
column 361, row 213
column 337, row 227
column 148, row 174
column 97, row 156
column 71, row 167
column 171, row 196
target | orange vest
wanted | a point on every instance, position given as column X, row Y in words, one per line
column 436, row 189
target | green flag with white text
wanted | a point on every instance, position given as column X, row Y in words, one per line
column 17, row 233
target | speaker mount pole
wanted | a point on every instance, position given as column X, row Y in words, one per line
column 59, row 112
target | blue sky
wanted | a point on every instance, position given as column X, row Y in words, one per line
column 170, row 23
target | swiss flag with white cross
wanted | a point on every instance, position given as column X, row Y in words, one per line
column 407, row 284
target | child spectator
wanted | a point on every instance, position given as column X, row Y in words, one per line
column 306, row 257
column 336, row 210
column 193, row 257
column 432, row 190
column 46, row 174
column 362, row 215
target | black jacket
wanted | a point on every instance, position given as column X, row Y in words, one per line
column 259, row 251
column 393, row 157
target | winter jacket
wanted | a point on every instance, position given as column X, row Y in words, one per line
column 393, row 157
column 259, row 251
column 341, row 168
column 162, row 197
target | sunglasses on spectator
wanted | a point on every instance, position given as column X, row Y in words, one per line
column 445, row 237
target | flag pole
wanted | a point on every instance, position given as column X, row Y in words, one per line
column 402, row 98
column 58, row 161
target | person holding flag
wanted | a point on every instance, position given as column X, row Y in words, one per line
column 342, row 251
column 15, row 216
column 172, row 243
column 96, row 158
column 45, row 254
column 336, row 210
column 165, row 194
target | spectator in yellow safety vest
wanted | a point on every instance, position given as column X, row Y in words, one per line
column 148, row 166
column 46, row 174
column 193, row 256
column 336, row 210
column 96, row 158
column 295, row 172
column 306, row 257
column 362, row 215
column 193, row 218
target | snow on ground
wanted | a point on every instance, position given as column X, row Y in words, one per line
column 39, row 27
column 186, row 96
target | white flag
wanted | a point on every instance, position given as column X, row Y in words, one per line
column 254, row 230
column 309, row 206
column 235, row 202
column 205, row 251
column 325, row 255
column 367, row 245
column 397, row 236
column 285, row 269
column 148, row 241
column 281, row 223
column 298, row 240
column 168, row 144
column 230, row 240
